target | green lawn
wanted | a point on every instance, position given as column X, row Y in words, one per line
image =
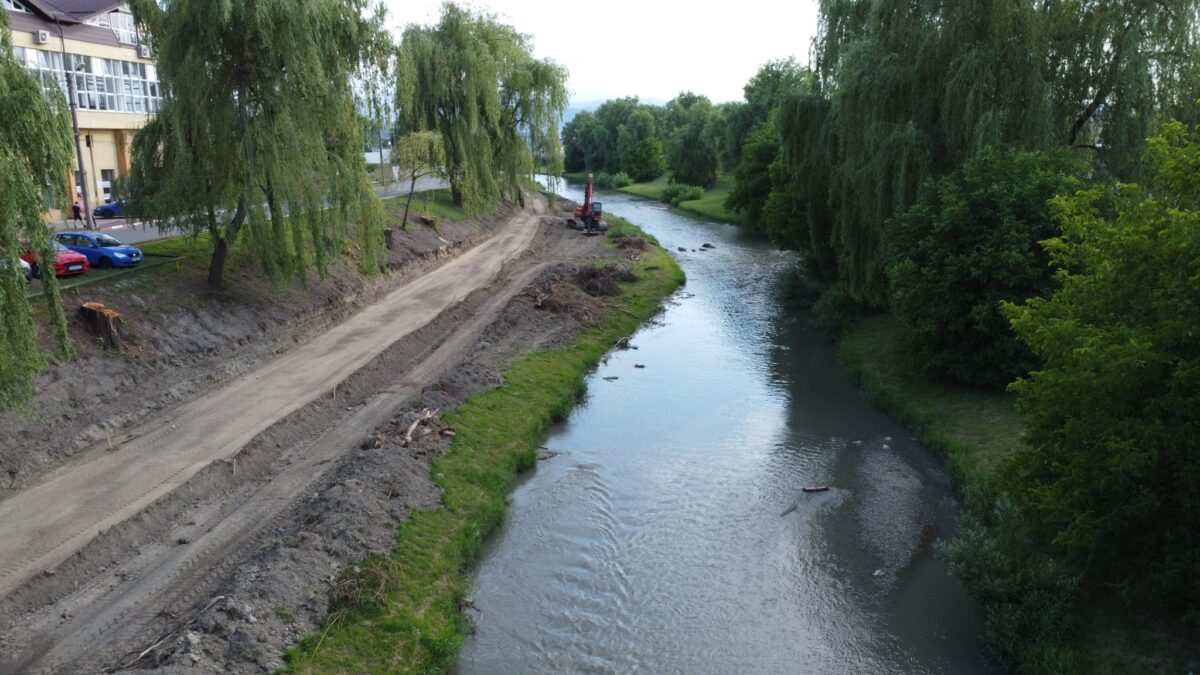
column 974, row 428
column 436, row 204
column 405, row 612
column 711, row 205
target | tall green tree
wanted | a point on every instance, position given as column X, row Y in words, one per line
column 917, row 88
column 475, row 81
column 35, row 160
column 258, row 138
column 1111, row 473
column 691, row 152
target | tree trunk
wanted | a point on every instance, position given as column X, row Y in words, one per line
column 105, row 323
column 411, row 187
column 216, row 268
column 456, row 193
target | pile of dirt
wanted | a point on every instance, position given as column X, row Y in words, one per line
column 624, row 243
column 564, row 298
column 603, row 280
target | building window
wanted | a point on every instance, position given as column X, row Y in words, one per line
column 120, row 21
column 15, row 6
column 100, row 84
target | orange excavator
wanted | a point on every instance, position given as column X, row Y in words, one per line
column 589, row 216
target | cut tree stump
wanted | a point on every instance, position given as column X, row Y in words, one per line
column 389, row 237
column 104, row 322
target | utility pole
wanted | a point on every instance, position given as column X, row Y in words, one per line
column 83, row 181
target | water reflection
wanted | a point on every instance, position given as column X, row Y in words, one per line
column 655, row 542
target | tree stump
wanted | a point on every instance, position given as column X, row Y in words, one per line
column 389, row 237
column 104, row 322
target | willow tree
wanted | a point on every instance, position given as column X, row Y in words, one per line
column 915, row 88
column 35, row 160
column 257, row 137
column 474, row 80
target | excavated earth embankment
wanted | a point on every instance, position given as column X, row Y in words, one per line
column 197, row 543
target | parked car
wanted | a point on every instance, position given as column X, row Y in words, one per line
column 25, row 268
column 115, row 209
column 100, row 249
column 67, row 263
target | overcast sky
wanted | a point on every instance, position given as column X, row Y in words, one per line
column 652, row 49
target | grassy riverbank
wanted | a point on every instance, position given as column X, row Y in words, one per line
column 711, row 205
column 975, row 430
column 409, row 618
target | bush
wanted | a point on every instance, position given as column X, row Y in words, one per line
column 836, row 308
column 1027, row 597
column 1111, row 474
column 677, row 193
column 620, row 180
column 969, row 243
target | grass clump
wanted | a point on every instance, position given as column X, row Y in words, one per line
column 412, row 621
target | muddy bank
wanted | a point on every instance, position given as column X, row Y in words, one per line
column 185, row 340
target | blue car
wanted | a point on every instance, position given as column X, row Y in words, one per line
column 100, row 249
column 117, row 209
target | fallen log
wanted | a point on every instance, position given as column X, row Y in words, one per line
column 425, row 417
column 104, row 322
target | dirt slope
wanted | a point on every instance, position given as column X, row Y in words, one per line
column 102, row 556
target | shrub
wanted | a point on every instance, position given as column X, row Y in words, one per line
column 620, row 180
column 968, row 243
column 677, row 193
column 1027, row 597
column 1111, row 474
column 603, row 180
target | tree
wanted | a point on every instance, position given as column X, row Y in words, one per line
column 914, row 89
column 580, row 145
column 474, row 80
column 258, row 139
column 752, row 177
column 644, row 160
column 1110, row 475
column 35, row 158
column 420, row 154
column 690, row 153
column 969, row 243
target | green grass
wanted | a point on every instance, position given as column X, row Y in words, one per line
column 973, row 428
column 435, row 204
column 403, row 612
column 711, row 205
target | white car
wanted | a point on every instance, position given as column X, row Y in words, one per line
column 24, row 268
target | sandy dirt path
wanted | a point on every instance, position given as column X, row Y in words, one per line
column 42, row 526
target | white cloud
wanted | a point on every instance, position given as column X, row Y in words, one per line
column 646, row 48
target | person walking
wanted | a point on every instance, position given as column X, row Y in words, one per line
column 77, row 211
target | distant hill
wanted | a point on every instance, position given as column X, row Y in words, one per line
column 576, row 108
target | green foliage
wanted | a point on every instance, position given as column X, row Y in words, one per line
column 752, row 177
column 690, row 151
column 1111, row 476
column 420, row 153
column 675, row 193
column 259, row 119
column 474, row 80
column 910, row 90
column 613, row 181
column 35, row 158
column 1027, row 597
column 969, row 243
column 644, row 160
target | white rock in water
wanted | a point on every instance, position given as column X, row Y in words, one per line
column 878, row 573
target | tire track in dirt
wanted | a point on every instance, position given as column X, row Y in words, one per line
column 42, row 526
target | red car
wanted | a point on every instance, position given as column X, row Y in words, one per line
column 68, row 263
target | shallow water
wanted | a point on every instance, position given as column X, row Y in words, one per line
column 655, row 541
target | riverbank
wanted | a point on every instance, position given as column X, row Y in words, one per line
column 406, row 609
column 975, row 431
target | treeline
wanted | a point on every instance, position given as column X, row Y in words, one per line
column 1017, row 183
column 258, row 141
column 689, row 136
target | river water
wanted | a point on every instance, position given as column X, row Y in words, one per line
column 662, row 539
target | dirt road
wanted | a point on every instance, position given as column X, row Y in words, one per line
column 96, row 619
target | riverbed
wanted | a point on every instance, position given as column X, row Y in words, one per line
column 670, row 533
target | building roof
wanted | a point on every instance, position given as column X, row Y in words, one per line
column 71, row 11
column 29, row 23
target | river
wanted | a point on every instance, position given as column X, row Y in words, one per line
column 662, row 538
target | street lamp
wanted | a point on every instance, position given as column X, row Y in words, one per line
column 70, row 75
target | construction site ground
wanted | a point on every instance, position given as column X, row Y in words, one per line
column 188, row 503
